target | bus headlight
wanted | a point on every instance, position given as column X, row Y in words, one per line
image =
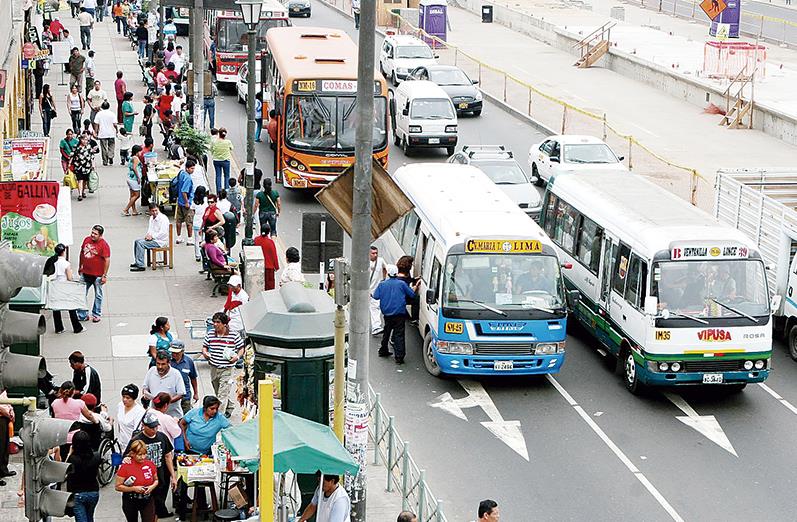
column 748, row 365
column 759, row 365
column 451, row 129
column 415, row 129
column 676, row 366
column 549, row 348
column 454, row 348
column 298, row 165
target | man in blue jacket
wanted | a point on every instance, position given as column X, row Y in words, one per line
column 392, row 294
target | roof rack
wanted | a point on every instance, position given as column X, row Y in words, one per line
column 498, row 150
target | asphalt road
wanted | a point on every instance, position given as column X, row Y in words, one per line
column 595, row 452
column 750, row 22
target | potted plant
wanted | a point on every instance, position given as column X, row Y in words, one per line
column 196, row 143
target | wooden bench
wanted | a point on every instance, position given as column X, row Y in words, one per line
column 167, row 253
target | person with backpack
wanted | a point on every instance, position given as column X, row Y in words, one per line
column 185, row 191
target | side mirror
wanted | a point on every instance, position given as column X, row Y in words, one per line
column 620, row 158
column 475, row 82
column 431, row 297
column 651, row 306
column 406, row 111
column 775, row 303
column 573, row 297
column 437, row 56
column 554, row 159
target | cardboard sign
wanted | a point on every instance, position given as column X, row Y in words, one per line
column 28, row 215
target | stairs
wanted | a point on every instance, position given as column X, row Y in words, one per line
column 737, row 108
column 594, row 45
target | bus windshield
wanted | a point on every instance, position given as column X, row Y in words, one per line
column 328, row 122
column 233, row 37
column 502, row 281
column 709, row 289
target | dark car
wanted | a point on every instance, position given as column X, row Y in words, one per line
column 453, row 80
column 298, row 8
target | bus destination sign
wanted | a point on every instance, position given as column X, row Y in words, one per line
column 509, row 246
column 331, row 86
column 709, row 252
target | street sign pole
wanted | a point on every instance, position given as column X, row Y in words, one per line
column 198, row 61
column 357, row 401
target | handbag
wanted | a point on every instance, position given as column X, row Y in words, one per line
column 70, row 180
column 94, row 180
column 142, row 130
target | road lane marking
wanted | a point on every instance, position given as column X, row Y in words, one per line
column 778, row 398
column 706, row 425
column 617, row 451
column 507, row 432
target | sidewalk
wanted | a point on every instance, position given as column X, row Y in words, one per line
column 116, row 346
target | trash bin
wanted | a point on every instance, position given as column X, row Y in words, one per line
column 487, row 14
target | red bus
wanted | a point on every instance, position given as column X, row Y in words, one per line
column 227, row 30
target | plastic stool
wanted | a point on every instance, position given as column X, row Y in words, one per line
column 227, row 515
column 214, row 503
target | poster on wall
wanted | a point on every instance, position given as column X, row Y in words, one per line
column 29, row 215
column 24, row 159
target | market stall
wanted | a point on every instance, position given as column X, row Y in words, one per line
column 159, row 176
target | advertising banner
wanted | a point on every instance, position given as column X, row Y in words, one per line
column 29, row 215
column 24, row 159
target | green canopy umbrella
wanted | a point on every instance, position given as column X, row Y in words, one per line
column 300, row 445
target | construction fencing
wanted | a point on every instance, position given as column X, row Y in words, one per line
column 565, row 118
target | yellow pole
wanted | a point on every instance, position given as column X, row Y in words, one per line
column 265, row 394
column 340, row 357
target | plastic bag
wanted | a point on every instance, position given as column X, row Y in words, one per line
column 70, row 180
column 94, row 181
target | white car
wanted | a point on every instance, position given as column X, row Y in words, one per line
column 570, row 153
column 402, row 54
column 241, row 84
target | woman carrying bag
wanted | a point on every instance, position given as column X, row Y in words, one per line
column 46, row 108
column 63, row 272
column 82, row 164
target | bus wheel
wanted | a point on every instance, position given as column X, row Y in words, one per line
column 792, row 341
column 428, row 356
column 405, row 146
column 630, row 376
column 396, row 139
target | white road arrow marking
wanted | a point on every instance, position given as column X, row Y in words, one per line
column 706, row 425
column 507, row 432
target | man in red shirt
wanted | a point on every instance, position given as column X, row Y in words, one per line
column 56, row 28
column 95, row 259
column 120, row 86
column 272, row 262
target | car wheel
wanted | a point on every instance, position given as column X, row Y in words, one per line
column 451, row 150
column 477, row 112
column 396, row 139
column 792, row 342
column 535, row 174
column 405, row 146
column 631, row 377
column 428, row 356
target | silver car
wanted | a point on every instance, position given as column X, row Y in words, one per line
column 501, row 167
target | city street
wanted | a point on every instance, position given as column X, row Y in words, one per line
column 594, row 450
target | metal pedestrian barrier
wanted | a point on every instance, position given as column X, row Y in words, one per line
column 403, row 474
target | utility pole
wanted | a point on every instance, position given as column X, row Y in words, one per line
column 357, row 402
column 198, row 62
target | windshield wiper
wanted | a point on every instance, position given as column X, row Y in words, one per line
column 687, row 316
column 734, row 310
column 486, row 307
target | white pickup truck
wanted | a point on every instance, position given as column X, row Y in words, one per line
column 762, row 203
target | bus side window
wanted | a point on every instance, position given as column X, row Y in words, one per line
column 410, row 233
column 428, row 255
column 621, row 268
column 566, row 226
column 434, row 278
column 420, row 251
column 549, row 213
column 634, row 288
column 589, row 244
column 398, row 228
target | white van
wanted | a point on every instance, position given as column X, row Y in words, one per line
column 423, row 116
column 403, row 53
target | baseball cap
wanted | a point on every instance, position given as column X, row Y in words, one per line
column 235, row 280
column 150, row 420
column 89, row 399
column 392, row 270
column 177, row 346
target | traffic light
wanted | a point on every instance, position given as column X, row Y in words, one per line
column 39, row 435
column 18, row 271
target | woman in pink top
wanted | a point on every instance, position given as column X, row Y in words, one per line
column 167, row 424
column 68, row 408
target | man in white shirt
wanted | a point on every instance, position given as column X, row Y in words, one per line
column 163, row 378
column 377, row 271
column 95, row 98
column 330, row 502
column 157, row 237
column 235, row 298
column 178, row 59
column 86, row 21
column 106, row 132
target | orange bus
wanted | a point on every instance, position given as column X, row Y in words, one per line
column 311, row 73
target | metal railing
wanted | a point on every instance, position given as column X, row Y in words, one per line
column 403, row 474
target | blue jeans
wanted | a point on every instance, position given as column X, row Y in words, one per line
column 258, row 128
column 142, row 49
column 222, row 166
column 95, row 282
column 100, row 12
column 197, row 247
column 84, row 505
column 210, row 111
column 46, row 120
column 271, row 219
column 140, row 249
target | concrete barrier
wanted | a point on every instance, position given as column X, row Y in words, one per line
column 695, row 91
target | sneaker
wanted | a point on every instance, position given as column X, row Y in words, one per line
column 377, row 332
column 190, row 242
column 179, row 240
column 137, row 268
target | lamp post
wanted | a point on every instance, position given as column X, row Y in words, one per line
column 250, row 12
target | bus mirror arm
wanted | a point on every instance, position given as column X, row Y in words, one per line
column 431, row 297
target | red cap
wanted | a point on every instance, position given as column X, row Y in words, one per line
column 89, row 399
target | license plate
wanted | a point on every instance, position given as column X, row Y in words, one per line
column 712, row 378
column 434, row 141
column 299, row 183
column 463, row 105
column 500, row 366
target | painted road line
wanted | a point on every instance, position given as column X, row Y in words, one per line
column 706, row 425
column 617, row 451
column 507, row 432
column 789, row 406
